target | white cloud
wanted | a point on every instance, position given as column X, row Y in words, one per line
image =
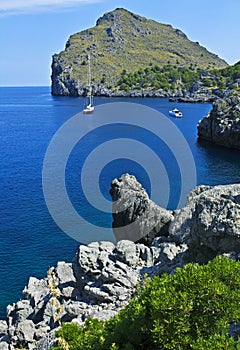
column 10, row 7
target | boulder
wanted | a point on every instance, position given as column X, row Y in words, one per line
column 210, row 223
column 135, row 216
column 105, row 273
column 35, row 290
column 24, row 332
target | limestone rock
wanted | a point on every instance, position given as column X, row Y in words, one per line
column 3, row 328
column 105, row 273
column 127, row 252
column 35, row 290
column 136, row 217
column 210, row 223
column 25, row 332
column 4, row 345
column 19, row 311
column 222, row 125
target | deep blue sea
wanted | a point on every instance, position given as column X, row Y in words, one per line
column 31, row 241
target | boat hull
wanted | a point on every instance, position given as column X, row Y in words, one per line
column 88, row 110
column 176, row 114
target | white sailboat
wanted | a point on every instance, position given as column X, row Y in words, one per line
column 90, row 108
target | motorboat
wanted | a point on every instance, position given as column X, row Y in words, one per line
column 176, row 113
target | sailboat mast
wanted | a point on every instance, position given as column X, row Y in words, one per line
column 89, row 108
column 89, row 78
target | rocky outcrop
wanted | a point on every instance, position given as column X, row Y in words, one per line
column 136, row 217
column 99, row 282
column 209, row 223
column 102, row 277
column 222, row 125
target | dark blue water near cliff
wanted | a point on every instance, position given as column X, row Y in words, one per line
column 30, row 239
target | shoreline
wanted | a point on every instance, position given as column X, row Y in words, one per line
column 177, row 98
column 102, row 277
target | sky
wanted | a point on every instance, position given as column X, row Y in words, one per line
column 31, row 31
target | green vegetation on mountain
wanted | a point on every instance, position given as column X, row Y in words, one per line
column 189, row 310
column 174, row 78
column 121, row 41
column 155, row 78
column 229, row 76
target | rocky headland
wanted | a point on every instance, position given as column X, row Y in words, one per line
column 122, row 41
column 102, row 277
column 222, row 125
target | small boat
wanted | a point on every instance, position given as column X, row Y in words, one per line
column 90, row 107
column 176, row 113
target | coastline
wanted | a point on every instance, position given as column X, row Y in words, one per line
column 185, row 96
column 103, row 277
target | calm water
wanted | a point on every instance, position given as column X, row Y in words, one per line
column 29, row 117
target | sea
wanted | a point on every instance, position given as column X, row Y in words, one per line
column 32, row 237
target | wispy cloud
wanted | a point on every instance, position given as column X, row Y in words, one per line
column 13, row 7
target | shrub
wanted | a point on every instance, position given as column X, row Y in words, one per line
column 190, row 309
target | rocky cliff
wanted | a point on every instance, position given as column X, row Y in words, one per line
column 103, row 276
column 122, row 40
column 222, row 125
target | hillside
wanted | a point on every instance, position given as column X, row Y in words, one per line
column 122, row 40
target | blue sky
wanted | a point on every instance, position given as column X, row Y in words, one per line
column 31, row 31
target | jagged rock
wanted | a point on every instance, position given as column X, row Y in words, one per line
column 167, row 256
column 65, row 275
column 35, row 290
column 19, row 311
column 210, row 223
column 102, row 315
column 136, row 217
column 24, row 332
column 3, row 328
column 222, row 125
column 41, row 331
column 127, row 252
column 103, row 278
column 47, row 341
column 66, row 280
column 74, row 309
column 145, row 255
column 4, row 345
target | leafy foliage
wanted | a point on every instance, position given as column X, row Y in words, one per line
column 191, row 309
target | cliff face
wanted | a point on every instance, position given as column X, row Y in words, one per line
column 103, row 276
column 123, row 40
column 222, row 125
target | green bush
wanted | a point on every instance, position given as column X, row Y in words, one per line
column 190, row 309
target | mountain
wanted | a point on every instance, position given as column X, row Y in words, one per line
column 120, row 41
